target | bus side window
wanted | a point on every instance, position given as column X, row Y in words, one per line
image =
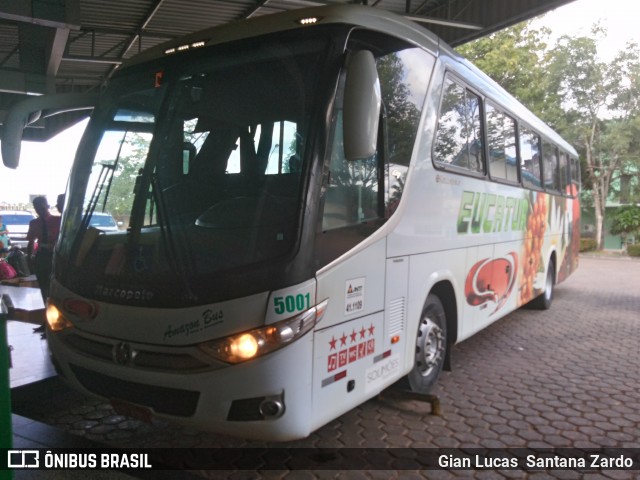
column 501, row 137
column 575, row 176
column 565, row 174
column 284, row 154
column 362, row 194
column 459, row 136
column 530, row 158
column 354, row 192
column 550, row 167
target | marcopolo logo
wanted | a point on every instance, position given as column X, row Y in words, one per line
column 124, row 293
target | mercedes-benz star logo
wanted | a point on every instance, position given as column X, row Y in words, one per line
column 123, row 354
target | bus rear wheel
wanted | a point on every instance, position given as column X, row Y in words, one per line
column 431, row 346
column 543, row 301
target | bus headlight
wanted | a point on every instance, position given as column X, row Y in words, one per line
column 245, row 347
column 56, row 320
column 260, row 341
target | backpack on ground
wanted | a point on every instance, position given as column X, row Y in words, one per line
column 6, row 271
column 18, row 260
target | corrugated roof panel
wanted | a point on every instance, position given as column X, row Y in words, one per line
column 97, row 45
column 268, row 10
column 82, row 69
column 128, row 14
column 117, row 22
column 200, row 14
column 9, row 55
column 144, row 44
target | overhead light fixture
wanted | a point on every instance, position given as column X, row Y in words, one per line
column 309, row 20
column 185, row 47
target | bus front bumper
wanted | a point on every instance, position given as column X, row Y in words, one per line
column 268, row 398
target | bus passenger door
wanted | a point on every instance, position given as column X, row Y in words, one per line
column 349, row 341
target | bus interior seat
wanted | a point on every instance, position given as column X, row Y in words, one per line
column 203, row 185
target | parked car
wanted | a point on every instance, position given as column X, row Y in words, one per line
column 104, row 222
column 17, row 222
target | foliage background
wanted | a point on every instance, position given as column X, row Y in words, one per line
column 593, row 103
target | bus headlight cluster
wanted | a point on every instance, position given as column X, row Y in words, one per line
column 55, row 318
column 260, row 341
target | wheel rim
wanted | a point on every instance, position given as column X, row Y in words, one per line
column 430, row 346
column 548, row 287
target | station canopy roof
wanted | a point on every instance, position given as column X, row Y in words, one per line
column 49, row 46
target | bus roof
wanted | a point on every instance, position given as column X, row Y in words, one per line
column 368, row 17
column 357, row 15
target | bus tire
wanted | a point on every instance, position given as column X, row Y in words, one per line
column 431, row 347
column 543, row 301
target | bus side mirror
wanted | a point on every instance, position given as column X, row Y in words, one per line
column 28, row 111
column 362, row 101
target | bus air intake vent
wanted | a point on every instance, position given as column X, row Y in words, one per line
column 396, row 316
column 89, row 347
column 256, row 408
column 246, row 410
column 171, row 401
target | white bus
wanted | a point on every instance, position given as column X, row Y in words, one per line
column 317, row 204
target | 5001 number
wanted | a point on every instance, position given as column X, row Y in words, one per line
column 291, row 303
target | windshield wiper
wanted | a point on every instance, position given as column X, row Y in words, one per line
column 82, row 243
column 175, row 256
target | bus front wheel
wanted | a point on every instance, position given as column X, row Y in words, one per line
column 431, row 346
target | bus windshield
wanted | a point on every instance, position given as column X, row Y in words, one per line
column 202, row 162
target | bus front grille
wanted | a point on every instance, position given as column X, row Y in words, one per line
column 170, row 401
column 180, row 360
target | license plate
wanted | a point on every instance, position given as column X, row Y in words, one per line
column 131, row 410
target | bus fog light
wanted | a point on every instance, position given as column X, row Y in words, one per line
column 271, row 408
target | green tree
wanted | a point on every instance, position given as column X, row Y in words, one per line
column 594, row 104
column 121, row 188
column 401, row 112
column 622, row 134
column 515, row 58
column 601, row 111
column 626, row 221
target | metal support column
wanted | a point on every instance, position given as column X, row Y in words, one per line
column 6, row 435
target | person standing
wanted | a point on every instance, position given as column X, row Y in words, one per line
column 4, row 238
column 60, row 202
column 44, row 230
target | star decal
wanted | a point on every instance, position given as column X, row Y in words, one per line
column 353, row 336
column 332, row 343
column 362, row 332
column 343, row 340
column 371, row 330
